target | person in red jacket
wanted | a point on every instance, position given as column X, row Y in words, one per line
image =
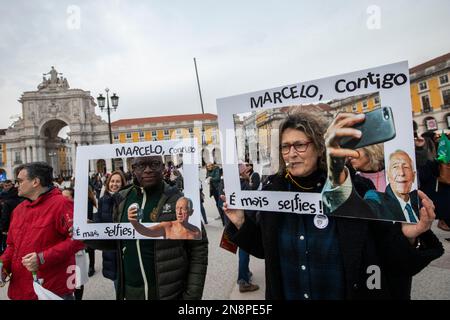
column 39, row 238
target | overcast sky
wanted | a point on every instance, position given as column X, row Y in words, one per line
column 144, row 50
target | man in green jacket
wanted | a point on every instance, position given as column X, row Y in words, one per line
column 156, row 269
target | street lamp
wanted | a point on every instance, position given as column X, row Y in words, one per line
column 114, row 102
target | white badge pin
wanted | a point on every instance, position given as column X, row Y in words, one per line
column 321, row 221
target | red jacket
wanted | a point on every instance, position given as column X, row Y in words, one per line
column 41, row 226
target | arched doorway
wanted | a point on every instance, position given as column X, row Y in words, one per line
column 57, row 150
column 447, row 120
column 118, row 164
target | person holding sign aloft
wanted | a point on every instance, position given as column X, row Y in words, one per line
column 313, row 256
column 416, row 245
column 155, row 269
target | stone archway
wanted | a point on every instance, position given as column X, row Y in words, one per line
column 55, row 150
column 44, row 112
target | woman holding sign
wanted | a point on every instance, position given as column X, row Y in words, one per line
column 316, row 256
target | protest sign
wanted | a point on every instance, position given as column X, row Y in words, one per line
column 182, row 152
column 249, row 126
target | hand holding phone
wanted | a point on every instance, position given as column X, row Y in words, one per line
column 377, row 127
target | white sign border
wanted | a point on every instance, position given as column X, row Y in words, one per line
column 397, row 97
column 98, row 231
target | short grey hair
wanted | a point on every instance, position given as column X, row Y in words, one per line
column 190, row 204
column 399, row 151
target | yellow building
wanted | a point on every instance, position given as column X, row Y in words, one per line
column 361, row 103
column 430, row 94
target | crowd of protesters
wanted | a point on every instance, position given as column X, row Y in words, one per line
column 41, row 244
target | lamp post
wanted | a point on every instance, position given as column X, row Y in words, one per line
column 114, row 102
column 52, row 156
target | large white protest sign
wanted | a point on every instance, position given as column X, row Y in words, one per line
column 388, row 84
column 184, row 151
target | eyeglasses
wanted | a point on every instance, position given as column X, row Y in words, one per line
column 153, row 165
column 298, row 146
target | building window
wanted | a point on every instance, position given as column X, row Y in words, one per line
column 154, row 133
column 141, row 134
column 166, row 132
column 423, row 86
column 443, row 79
column 376, row 100
column 178, row 131
column 17, row 157
column 128, row 135
column 191, row 130
column 431, row 123
column 354, row 108
column 446, row 98
column 448, row 120
column 116, row 136
column 426, row 107
column 364, row 106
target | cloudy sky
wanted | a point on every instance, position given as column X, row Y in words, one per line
column 144, row 50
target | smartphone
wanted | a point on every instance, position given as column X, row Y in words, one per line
column 377, row 127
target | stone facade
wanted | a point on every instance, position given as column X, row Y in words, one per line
column 34, row 136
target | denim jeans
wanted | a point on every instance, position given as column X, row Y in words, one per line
column 244, row 271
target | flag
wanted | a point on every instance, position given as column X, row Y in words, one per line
column 443, row 152
column 41, row 292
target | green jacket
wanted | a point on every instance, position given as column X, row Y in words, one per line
column 180, row 264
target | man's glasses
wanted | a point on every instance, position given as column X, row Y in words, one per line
column 153, row 165
column 298, row 146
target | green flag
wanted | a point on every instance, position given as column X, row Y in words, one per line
column 443, row 152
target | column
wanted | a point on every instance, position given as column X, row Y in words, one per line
column 125, row 165
column 34, row 153
column 43, row 154
column 23, row 155
column 28, row 154
column 9, row 165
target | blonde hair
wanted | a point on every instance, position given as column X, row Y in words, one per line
column 375, row 154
